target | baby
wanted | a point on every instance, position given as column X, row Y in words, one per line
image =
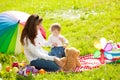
column 59, row 43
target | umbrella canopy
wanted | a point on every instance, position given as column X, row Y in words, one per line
column 11, row 26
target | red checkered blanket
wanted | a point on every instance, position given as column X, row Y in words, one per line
column 88, row 62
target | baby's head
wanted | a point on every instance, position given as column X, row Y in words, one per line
column 55, row 29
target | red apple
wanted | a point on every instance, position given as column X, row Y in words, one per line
column 27, row 72
column 15, row 64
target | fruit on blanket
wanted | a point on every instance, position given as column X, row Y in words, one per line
column 22, row 64
column 15, row 64
column 42, row 71
column 15, row 69
column 20, row 72
column 27, row 72
column 8, row 68
column 35, row 71
column 30, row 68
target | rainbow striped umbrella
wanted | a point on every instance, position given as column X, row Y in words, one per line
column 11, row 26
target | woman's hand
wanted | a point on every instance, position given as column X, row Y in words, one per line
column 58, row 62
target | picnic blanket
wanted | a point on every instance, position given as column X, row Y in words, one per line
column 88, row 62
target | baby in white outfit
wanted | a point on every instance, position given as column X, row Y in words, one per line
column 59, row 42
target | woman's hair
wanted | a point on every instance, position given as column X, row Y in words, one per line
column 30, row 28
column 55, row 26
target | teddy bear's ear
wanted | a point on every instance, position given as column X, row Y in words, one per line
column 78, row 52
column 66, row 50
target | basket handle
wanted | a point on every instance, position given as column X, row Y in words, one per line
column 11, row 59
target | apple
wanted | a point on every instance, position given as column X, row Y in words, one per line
column 15, row 64
column 42, row 71
column 15, row 69
column 27, row 72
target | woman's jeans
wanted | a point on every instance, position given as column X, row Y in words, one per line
column 58, row 52
column 47, row 65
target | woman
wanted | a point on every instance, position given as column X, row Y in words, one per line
column 33, row 41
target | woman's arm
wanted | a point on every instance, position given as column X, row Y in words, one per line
column 37, row 53
column 40, row 41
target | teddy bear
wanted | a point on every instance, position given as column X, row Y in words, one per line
column 70, row 62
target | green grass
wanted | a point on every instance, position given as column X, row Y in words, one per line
column 93, row 19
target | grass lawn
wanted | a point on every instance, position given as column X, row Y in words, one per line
column 83, row 22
